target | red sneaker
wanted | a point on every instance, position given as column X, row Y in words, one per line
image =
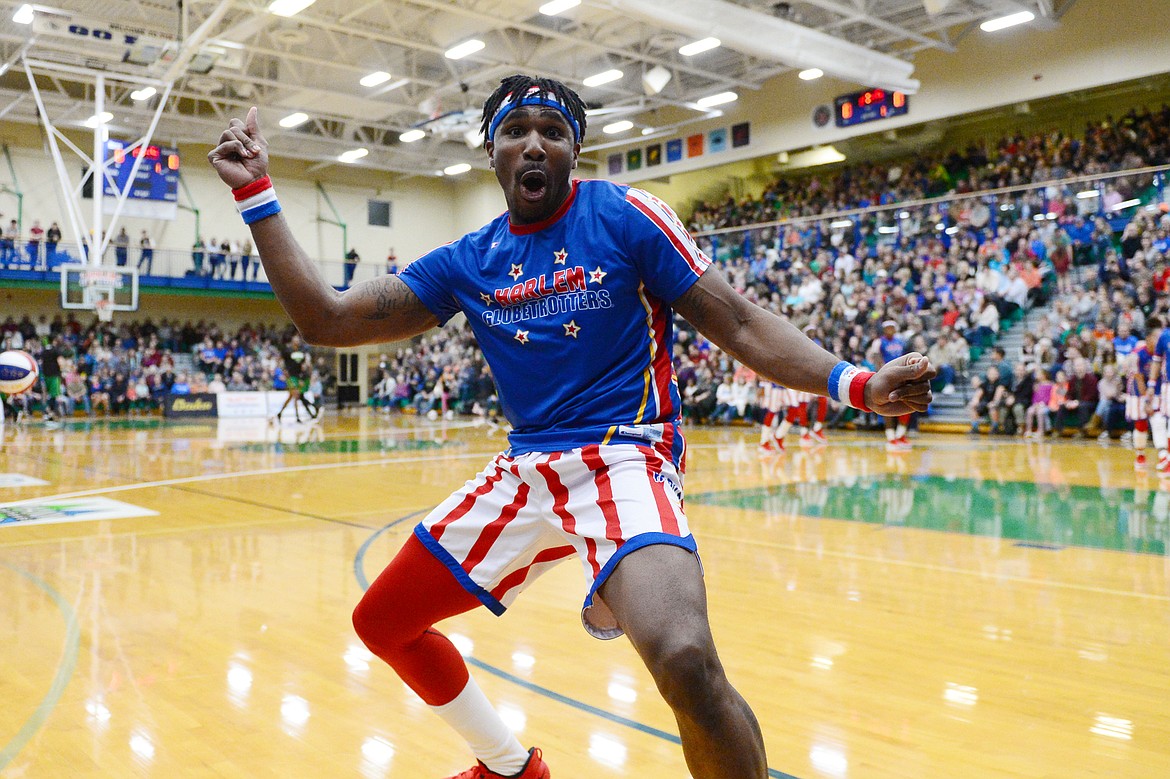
column 1139, row 463
column 767, row 447
column 819, row 437
column 779, row 445
column 806, row 440
column 535, row 768
column 1163, row 467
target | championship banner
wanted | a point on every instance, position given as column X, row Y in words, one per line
column 201, row 404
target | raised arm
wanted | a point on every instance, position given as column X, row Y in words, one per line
column 383, row 309
column 775, row 349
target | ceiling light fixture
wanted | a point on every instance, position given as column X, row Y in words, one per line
column 461, row 50
column 353, row 155
column 811, row 74
column 105, row 117
column 558, row 6
column 698, row 47
column 375, row 78
column 456, row 169
column 1011, row 20
column 617, row 127
column 24, row 14
column 714, row 100
column 294, row 120
column 603, row 77
column 288, row 7
column 410, row 136
column 143, row 94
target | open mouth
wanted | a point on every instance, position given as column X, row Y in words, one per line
column 533, row 184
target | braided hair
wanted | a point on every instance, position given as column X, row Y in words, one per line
column 519, row 84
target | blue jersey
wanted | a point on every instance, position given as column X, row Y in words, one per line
column 1160, row 354
column 891, row 348
column 573, row 316
column 1123, row 346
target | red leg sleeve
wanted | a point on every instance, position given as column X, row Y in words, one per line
column 394, row 619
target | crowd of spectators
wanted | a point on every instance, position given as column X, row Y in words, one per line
column 952, row 275
column 130, row 367
column 441, row 374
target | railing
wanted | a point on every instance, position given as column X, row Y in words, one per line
column 895, row 224
column 173, row 268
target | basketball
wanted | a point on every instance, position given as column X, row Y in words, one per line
column 18, row 372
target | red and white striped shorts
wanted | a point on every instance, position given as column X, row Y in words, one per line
column 522, row 515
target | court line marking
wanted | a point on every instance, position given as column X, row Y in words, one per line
column 245, row 474
column 934, row 567
column 360, row 574
column 60, row 680
column 78, row 427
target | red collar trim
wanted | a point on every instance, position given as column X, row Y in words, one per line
column 536, row 227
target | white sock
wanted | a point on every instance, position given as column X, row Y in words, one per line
column 890, row 436
column 783, row 430
column 900, row 432
column 472, row 717
column 1158, row 432
column 818, row 427
column 1139, row 441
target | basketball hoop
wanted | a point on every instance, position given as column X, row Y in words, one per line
column 104, row 309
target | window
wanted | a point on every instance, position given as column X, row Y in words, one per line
column 379, row 213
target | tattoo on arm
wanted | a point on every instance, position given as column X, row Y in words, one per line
column 388, row 296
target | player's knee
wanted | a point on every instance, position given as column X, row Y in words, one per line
column 690, row 678
column 374, row 624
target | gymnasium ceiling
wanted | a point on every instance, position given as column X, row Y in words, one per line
column 225, row 55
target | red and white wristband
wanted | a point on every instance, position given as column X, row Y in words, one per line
column 847, row 385
column 256, row 200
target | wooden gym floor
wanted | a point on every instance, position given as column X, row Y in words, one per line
column 973, row 608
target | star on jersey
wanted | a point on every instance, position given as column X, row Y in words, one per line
column 595, row 276
column 521, row 336
column 486, row 298
column 560, row 257
column 516, row 272
column 572, row 328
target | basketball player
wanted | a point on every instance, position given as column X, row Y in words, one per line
column 889, row 348
column 1137, row 402
column 772, row 398
column 1158, row 390
column 570, row 295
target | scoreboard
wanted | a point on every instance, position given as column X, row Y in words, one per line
column 158, row 173
column 867, row 106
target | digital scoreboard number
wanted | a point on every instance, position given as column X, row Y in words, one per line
column 158, row 173
column 868, row 106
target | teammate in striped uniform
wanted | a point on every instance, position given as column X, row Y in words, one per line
column 772, row 400
column 1159, row 390
column 1137, row 401
column 571, row 295
column 890, row 347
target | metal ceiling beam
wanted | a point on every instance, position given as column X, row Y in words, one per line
column 545, row 32
column 853, row 14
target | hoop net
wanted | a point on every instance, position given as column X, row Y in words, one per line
column 104, row 309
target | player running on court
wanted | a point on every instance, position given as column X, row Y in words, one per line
column 570, row 294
